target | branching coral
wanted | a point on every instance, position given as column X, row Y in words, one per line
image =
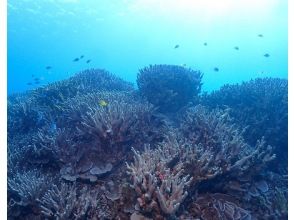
column 30, row 110
column 24, row 189
column 46, row 147
column 96, row 138
column 159, row 188
column 67, row 202
column 24, row 115
column 113, row 128
column 114, row 123
column 219, row 146
column 87, row 81
column 171, row 193
column 43, row 149
column 259, row 104
column 59, row 202
column 169, row 87
column 80, row 131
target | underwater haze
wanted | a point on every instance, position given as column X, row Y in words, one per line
column 144, row 109
column 227, row 40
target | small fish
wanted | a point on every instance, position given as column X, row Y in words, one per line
column 29, row 84
column 88, row 61
column 260, row 35
column 76, row 59
column 37, row 82
column 103, row 103
column 184, row 65
column 266, row 55
column 205, row 44
column 177, row 46
column 82, row 56
column 236, row 48
column 216, row 69
column 36, row 79
column 33, row 75
column 48, row 67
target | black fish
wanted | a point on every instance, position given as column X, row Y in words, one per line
column 48, row 67
column 236, row 48
column 88, row 61
column 29, row 83
column 177, row 46
column 260, row 35
column 216, row 69
column 82, row 56
column 76, row 59
column 205, row 44
column 266, row 55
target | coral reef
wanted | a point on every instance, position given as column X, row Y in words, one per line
column 261, row 105
column 219, row 146
column 92, row 147
column 65, row 202
column 30, row 111
column 159, row 188
column 218, row 206
column 169, row 87
column 105, row 134
column 94, row 139
column 24, row 188
column 59, row 202
column 23, row 114
column 266, row 194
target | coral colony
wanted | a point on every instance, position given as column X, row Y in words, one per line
column 93, row 147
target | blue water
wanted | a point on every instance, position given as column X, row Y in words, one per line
column 123, row 36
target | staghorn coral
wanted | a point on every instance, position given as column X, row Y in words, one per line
column 113, row 128
column 209, row 169
column 118, row 120
column 115, row 123
column 43, row 148
column 159, row 188
column 218, row 145
column 169, row 87
column 28, row 186
column 85, row 146
column 95, row 139
column 171, row 193
column 261, row 106
column 59, row 202
column 24, row 115
column 210, row 128
column 87, row 81
column 70, row 202
column 24, row 189
column 30, row 111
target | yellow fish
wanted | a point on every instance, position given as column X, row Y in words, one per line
column 103, row 103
